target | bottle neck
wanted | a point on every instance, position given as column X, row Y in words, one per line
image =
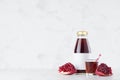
column 83, row 37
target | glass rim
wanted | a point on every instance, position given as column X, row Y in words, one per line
column 91, row 60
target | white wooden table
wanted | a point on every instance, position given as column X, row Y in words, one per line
column 50, row 75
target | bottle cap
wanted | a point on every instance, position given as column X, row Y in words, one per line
column 82, row 33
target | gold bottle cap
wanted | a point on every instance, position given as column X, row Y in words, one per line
column 82, row 33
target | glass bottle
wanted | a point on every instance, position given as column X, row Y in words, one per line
column 81, row 51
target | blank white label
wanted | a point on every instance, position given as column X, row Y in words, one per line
column 79, row 60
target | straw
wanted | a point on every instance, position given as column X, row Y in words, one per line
column 98, row 57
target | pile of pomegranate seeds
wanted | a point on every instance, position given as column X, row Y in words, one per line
column 103, row 70
column 67, row 68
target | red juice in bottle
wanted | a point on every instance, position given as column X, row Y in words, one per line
column 81, row 51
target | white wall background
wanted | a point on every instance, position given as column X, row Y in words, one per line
column 37, row 34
